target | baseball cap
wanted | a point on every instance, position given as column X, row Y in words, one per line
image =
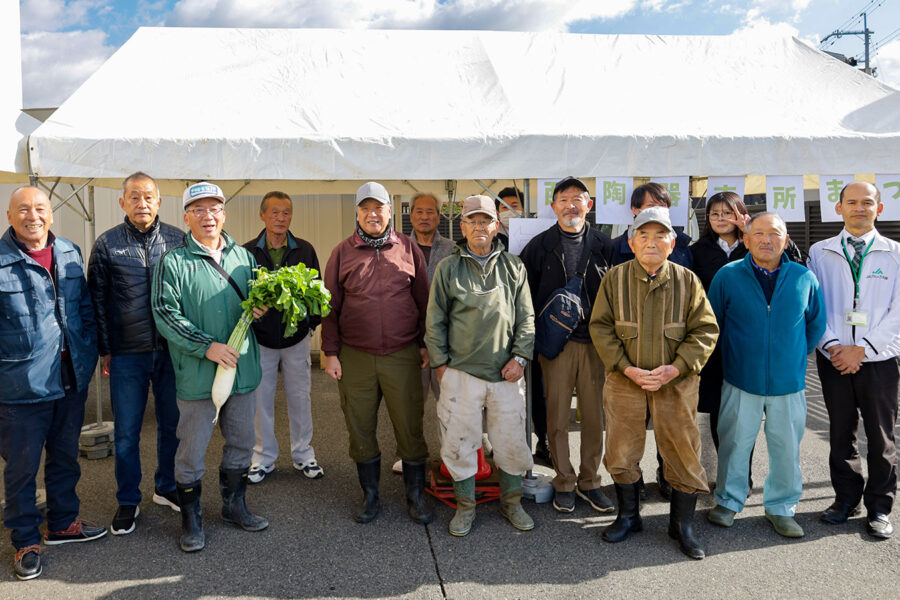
column 479, row 204
column 654, row 214
column 566, row 183
column 204, row 189
column 372, row 190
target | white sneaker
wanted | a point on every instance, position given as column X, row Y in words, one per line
column 310, row 469
column 258, row 472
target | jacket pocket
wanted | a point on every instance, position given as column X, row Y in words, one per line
column 15, row 296
column 674, row 331
column 626, row 330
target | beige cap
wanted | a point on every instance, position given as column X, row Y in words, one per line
column 479, row 204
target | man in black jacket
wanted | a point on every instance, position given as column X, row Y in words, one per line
column 551, row 260
column 131, row 350
column 273, row 248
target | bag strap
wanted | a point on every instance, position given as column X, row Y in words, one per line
column 581, row 268
column 212, row 262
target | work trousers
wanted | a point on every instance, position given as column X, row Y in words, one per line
column 366, row 378
column 740, row 415
column 464, row 398
column 871, row 393
column 26, row 430
column 577, row 367
column 195, row 427
column 430, row 382
column 295, row 367
column 674, row 412
column 130, row 376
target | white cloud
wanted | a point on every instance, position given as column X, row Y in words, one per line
column 55, row 15
column 516, row 15
column 888, row 63
column 55, row 64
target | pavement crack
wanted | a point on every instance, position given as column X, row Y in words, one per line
column 437, row 568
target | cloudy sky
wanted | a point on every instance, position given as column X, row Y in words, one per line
column 64, row 41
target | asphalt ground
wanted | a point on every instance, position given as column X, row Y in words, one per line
column 313, row 548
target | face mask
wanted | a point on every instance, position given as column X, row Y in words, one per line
column 504, row 218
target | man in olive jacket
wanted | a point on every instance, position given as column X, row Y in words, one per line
column 654, row 330
column 196, row 306
column 479, row 333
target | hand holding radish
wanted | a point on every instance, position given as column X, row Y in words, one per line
column 223, row 355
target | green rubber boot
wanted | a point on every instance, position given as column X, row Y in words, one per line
column 511, row 501
column 464, row 491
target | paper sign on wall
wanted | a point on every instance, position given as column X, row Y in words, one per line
column 680, row 193
column 784, row 195
column 522, row 230
column 613, row 203
column 726, row 184
column 889, row 186
column 830, row 187
column 545, row 198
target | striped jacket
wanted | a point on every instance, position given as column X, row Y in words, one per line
column 194, row 306
column 643, row 322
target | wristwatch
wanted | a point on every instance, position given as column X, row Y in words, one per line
column 520, row 360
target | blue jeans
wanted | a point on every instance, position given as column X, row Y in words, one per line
column 130, row 376
column 25, row 430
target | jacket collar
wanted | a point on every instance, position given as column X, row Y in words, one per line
column 879, row 244
column 662, row 275
column 194, row 248
column 11, row 253
column 260, row 241
column 357, row 241
column 137, row 232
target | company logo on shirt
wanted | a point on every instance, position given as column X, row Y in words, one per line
column 877, row 274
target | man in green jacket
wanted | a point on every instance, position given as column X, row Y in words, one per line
column 480, row 332
column 196, row 299
column 654, row 330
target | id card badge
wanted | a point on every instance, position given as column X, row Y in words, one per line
column 856, row 319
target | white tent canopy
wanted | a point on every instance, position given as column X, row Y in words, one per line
column 327, row 105
column 14, row 124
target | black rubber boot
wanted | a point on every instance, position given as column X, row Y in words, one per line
column 681, row 524
column 233, row 484
column 369, row 475
column 628, row 519
column 414, row 478
column 192, row 536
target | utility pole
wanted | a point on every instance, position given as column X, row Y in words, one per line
column 866, row 32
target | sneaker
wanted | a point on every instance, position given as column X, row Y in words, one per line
column 28, row 562
column 311, row 469
column 169, row 499
column 258, row 472
column 125, row 520
column 564, row 502
column 78, row 531
column 597, row 499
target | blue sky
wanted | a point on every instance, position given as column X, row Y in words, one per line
column 64, row 41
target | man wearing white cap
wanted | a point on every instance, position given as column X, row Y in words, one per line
column 196, row 298
column 654, row 329
column 480, row 333
column 374, row 346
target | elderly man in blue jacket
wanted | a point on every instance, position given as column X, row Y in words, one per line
column 771, row 315
column 48, row 341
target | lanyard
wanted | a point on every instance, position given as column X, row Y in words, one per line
column 856, row 273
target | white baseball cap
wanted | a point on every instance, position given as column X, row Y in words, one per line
column 203, row 189
column 372, row 190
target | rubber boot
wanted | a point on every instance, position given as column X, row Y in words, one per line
column 464, row 492
column 628, row 519
column 414, row 479
column 511, row 501
column 681, row 524
column 665, row 488
column 233, row 484
column 369, row 474
column 192, row 536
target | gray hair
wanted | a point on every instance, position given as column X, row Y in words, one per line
column 437, row 201
column 138, row 176
column 775, row 217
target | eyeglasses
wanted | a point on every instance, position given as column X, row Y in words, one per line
column 215, row 211
column 476, row 225
column 720, row 216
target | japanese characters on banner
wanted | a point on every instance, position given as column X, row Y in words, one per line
column 680, row 193
column 830, row 187
column 784, row 195
column 522, row 230
column 725, row 184
column 544, row 198
column 613, row 200
column 889, row 186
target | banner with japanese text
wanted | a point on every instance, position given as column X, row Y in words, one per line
column 784, row 195
column 522, row 230
column 830, row 187
column 544, row 198
column 613, row 202
column 725, row 184
column 680, row 193
column 889, row 186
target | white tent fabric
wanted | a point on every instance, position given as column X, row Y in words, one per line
column 349, row 105
column 15, row 126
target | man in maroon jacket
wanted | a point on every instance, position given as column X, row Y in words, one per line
column 374, row 345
